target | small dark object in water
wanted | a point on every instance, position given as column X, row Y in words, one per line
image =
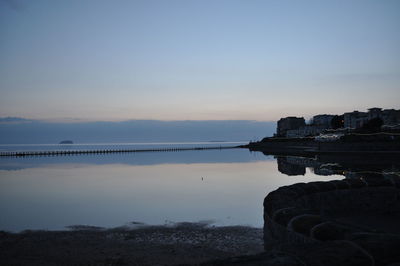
column 66, row 142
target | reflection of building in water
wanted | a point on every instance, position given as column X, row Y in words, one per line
column 324, row 171
column 303, row 161
column 293, row 165
column 348, row 167
column 370, row 175
column 288, row 168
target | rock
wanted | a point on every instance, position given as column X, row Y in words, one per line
column 310, row 188
column 384, row 248
column 355, row 183
column 330, row 231
column 395, row 179
column 378, row 182
column 278, row 199
column 336, row 222
column 66, row 142
column 283, row 216
column 265, row 259
column 331, row 253
column 340, row 184
column 323, row 186
column 304, row 223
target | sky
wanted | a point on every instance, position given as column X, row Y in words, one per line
column 98, row 60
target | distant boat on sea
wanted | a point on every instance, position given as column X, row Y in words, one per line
column 66, row 142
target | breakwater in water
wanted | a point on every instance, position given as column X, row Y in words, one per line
column 107, row 151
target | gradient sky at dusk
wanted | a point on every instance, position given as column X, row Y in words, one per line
column 194, row 60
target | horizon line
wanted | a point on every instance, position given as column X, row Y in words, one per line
column 16, row 119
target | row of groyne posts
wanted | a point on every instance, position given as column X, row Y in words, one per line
column 106, row 151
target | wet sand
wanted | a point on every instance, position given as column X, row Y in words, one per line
column 183, row 243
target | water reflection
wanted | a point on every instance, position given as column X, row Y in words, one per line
column 147, row 158
column 350, row 166
column 290, row 166
column 226, row 186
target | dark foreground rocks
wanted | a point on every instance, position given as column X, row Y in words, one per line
column 181, row 244
column 337, row 253
column 344, row 222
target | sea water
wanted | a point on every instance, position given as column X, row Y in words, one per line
column 224, row 187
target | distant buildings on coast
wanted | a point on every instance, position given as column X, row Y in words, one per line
column 355, row 119
column 295, row 127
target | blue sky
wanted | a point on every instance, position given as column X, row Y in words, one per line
column 197, row 60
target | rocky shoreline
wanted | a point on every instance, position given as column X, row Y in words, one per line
column 180, row 244
column 380, row 143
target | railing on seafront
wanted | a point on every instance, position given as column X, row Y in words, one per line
column 106, row 151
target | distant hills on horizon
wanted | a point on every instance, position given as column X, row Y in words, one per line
column 16, row 130
column 15, row 120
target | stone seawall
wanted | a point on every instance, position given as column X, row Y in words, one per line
column 360, row 214
column 348, row 146
column 311, row 147
column 278, row 147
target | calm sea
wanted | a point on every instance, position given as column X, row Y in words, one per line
column 226, row 187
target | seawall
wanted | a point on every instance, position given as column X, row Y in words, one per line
column 312, row 147
column 362, row 215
